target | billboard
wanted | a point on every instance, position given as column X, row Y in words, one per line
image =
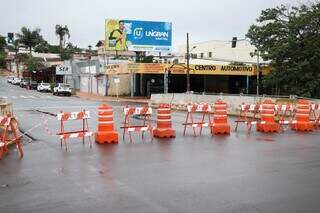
column 133, row 35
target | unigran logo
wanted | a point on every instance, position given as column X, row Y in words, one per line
column 138, row 33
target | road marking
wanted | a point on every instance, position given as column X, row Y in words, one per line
column 22, row 96
column 5, row 97
column 14, row 97
column 31, row 96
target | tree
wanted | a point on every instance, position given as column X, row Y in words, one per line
column 42, row 47
column 3, row 43
column 33, row 64
column 62, row 32
column 66, row 54
column 29, row 38
column 289, row 37
column 3, row 54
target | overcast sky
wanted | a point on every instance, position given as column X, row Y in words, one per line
column 203, row 19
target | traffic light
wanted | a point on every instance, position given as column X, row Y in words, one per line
column 10, row 38
column 234, row 42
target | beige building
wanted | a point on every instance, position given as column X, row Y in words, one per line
column 218, row 52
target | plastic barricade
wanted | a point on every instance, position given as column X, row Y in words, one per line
column 81, row 116
column 105, row 132
column 220, row 119
column 164, row 123
column 204, row 110
column 302, row 117
column 129, row 127
column 267, row 117
column 248, row 115
column 9, row 134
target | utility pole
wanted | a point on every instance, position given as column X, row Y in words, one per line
column 188, row 66
column 258, row 72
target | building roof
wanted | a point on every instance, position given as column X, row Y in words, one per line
column 100, row 43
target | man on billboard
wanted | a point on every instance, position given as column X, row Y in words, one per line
column 117, row 37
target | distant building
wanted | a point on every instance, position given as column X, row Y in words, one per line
column 218, row 52
column 18, row 67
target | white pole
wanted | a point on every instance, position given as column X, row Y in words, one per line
column 117, row 90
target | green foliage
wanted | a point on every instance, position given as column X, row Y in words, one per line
column 3, row 55
column 33, row 64
column 290, row 38
column 29, row 38
column 45, row 47
column 3, row 59
column 22, row 57
column 62, row 32
column 3, row 43
column 67, row 53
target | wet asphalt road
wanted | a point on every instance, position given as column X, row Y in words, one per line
column 236, row 173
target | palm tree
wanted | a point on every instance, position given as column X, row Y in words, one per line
column 29, row 38
column 62, row 32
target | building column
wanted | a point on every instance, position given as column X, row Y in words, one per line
column 247, row 85
column 165, row 82
column 133, row 83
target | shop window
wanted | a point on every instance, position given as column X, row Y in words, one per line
column 210, row 54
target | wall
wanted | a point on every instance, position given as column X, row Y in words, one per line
column 81, row 67
column 124, row 85
column 179, row 100
column 92, row 84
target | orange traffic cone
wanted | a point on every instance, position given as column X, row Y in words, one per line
column 267, row 117
column 164, row 125
column 303, row 117
column 106, row 132
column 220, row 119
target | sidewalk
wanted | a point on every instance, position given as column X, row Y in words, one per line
column 94, row 97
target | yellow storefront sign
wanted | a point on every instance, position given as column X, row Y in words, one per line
column 212, row 69
column 151, row 68
column 155, row 68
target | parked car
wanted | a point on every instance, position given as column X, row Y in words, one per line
column 16, row 81
column 62, row 89
column 44, row 87
column 10, row 79
column 32, row 85
column 23, row 83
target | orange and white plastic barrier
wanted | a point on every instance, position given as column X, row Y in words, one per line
column 69, row 116
column 267, row 117
column 302, row 117
column 203, row 109
column 164, row 123
column 284, row 113
column 9, row 133
column 128, row 127
column 106, row 132
column 220, row 118
column 315, row 114
column 248, row 115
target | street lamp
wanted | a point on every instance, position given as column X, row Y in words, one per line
column 257, row 53
column 188, row 63
column 90, row 75
column 188, row 66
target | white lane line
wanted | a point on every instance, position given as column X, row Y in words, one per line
column 14, row 97
column 4, row 97
column 31, row 96
column 22, row 96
